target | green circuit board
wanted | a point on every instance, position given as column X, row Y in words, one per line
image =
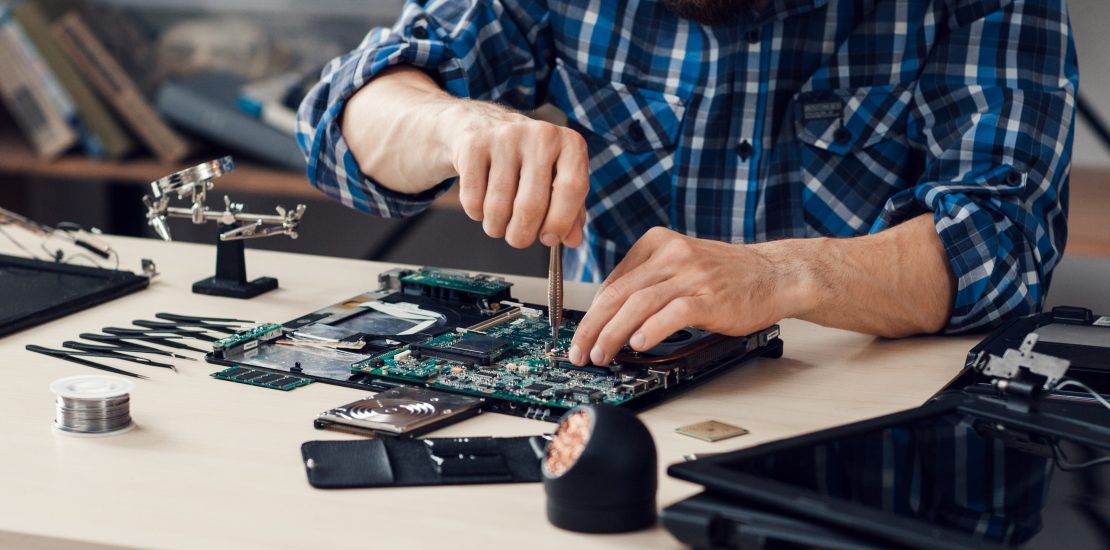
column 508, row 361
column 479, row 285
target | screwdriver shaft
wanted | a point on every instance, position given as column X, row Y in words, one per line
column 555, row 292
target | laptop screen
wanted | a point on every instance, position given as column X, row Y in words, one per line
column 962, row 473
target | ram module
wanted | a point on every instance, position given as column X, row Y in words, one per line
column 261, row 378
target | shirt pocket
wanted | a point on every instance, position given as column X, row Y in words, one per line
column 636, row 119
column 853, row 154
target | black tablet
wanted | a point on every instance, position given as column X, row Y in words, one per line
column 960, row 472
column 33, row 292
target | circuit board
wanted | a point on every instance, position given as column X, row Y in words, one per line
column 483, row 286
column 459, row 333
column 261, row 378
column 520, row 368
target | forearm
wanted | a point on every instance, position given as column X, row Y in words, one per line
column 394, row 126
column 892, row 283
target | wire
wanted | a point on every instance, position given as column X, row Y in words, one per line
column 25, row 250
column 1057, row 452
column 1072, row 382
column 1063, row 463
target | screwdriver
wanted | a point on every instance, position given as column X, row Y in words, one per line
column 555, row 293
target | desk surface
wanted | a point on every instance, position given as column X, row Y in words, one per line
column 217, row 465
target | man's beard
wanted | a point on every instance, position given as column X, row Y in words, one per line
column 714, row 12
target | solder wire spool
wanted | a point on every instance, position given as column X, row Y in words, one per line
column 92, row 406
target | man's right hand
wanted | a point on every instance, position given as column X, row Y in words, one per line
column 524, row 179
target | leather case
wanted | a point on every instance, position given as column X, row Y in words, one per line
column 389, row 462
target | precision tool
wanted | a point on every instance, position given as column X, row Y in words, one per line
column 95, row 350
column 162, row 337
column 235, row 225
column 121, row 343
column 67, row 355
column 555, row 292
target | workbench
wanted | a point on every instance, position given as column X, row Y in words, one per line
column 213, row 464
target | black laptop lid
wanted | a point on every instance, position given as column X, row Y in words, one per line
column 947, row 477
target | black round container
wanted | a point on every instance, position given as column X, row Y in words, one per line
column 611, row 487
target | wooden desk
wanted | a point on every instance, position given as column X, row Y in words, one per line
column 217, row 465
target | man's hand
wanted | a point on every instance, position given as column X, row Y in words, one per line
column 522, row 178
column 670, row 281
column 893, row 283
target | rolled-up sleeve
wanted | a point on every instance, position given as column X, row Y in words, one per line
column 485, row 49
column 993, row 114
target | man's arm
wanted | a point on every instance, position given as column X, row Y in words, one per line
column 522, row 178
column 893, row 283
column 389, row 111
column 992, row 113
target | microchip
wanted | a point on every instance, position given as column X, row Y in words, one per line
column 538, row 388
column 711, row 430
column 480, row 343
column 558, row 379
column 471, row 348
column 267, row 378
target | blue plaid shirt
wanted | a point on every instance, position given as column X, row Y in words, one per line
column 821, row 117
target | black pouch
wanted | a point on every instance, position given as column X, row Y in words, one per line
column 390, row 462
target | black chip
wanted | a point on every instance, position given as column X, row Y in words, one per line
column 232, row 371
column 480, row 343
column 249, row 375
column 538, row 388
column 267, row 378
column 285, row 381
column 558, row 379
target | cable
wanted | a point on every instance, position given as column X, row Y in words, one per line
column 1057, row 452
column 1063, row 463
column 25, row 250
column 1072, row 382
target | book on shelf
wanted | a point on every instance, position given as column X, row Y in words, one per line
column 35, row 99
column 206, row 104
column 265, row 100
column 102, row 135
column 101, row 69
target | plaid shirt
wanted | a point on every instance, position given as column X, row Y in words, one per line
column 821, row 117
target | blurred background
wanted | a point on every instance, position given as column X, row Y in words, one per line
column 79, row 158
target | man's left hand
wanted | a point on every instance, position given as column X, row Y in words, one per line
column 669, row 281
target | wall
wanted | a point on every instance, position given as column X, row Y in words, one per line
column 1090, row 20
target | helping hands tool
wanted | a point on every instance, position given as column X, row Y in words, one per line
column 235, row 225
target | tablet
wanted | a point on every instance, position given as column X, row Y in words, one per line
column 33, row 292
column 961, row 472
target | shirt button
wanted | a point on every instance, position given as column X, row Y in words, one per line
column 419, row 32
column 752, row 36
column 745, row 150
column 842, row 135
column 636, row 132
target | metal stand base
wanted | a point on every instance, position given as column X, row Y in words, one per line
column 231, row 272
column 234, row 289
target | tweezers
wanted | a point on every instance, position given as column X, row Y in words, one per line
column 67, row 355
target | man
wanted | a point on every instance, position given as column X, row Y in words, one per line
column 888, row 166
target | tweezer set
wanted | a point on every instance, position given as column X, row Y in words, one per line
column 124, row 344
